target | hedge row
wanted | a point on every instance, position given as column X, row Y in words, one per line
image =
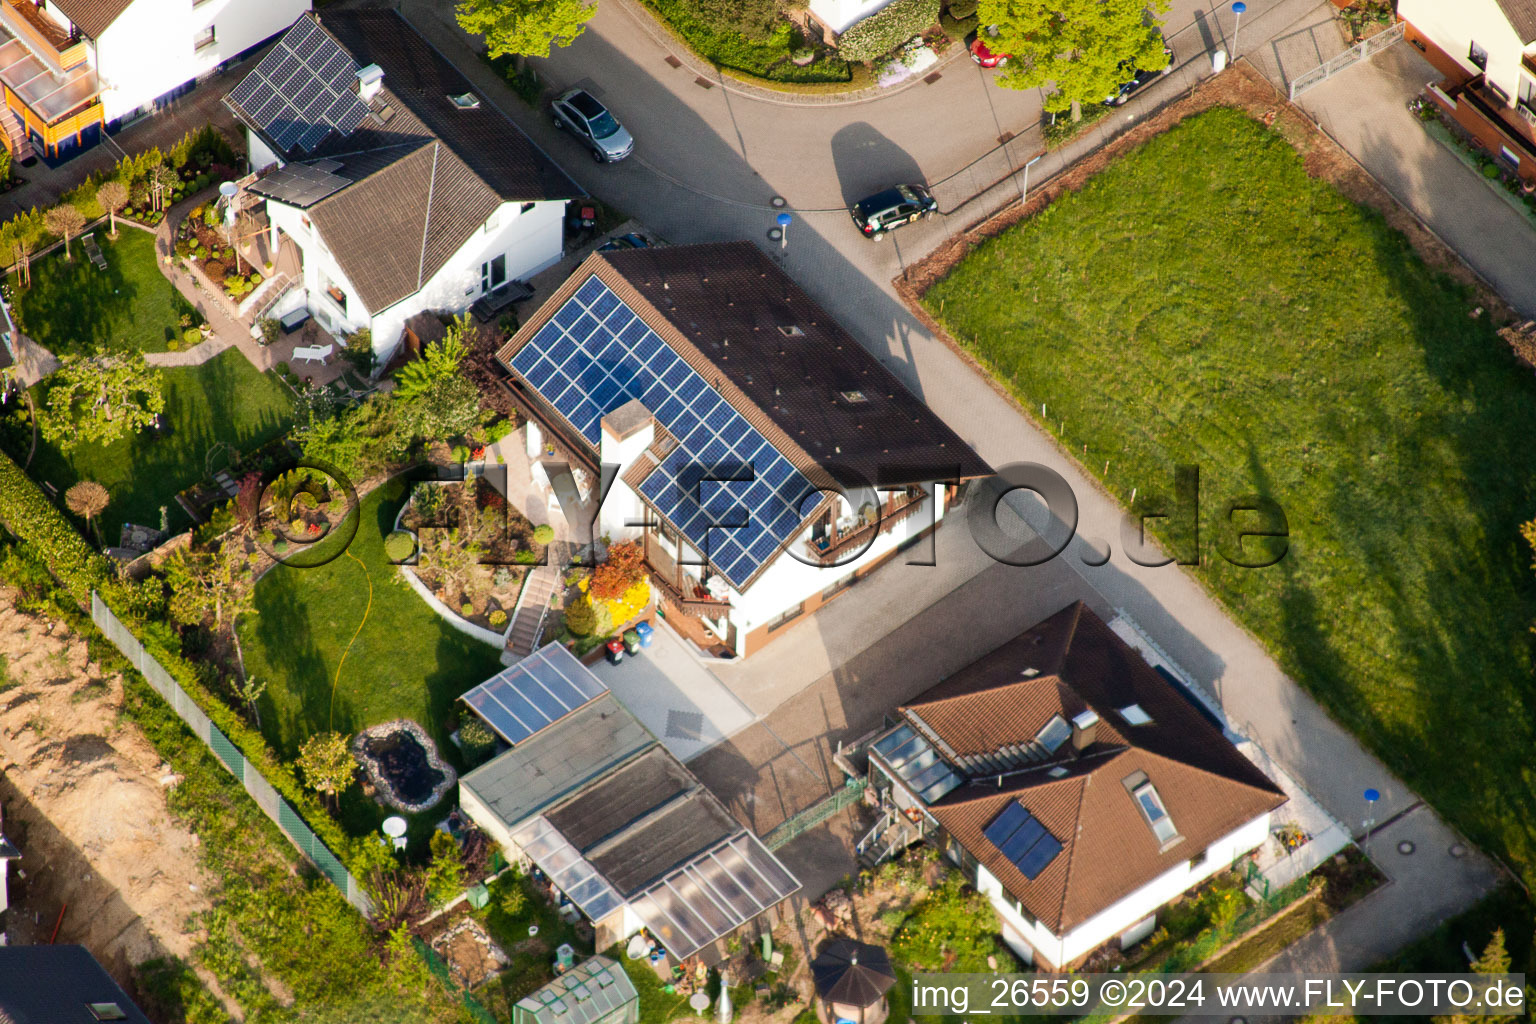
column 79, row 569
column 887, row 28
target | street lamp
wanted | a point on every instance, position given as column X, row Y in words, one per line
column 1237, row 20
column 784, row 220
column 1024, row 192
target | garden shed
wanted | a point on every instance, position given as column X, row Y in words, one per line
column 596, row 991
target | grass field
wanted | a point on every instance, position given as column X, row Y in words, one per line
column 1203, row 301
column 405, row 662
column 223, row 401
column 73, row 307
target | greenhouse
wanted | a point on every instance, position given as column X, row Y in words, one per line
column 596, row 991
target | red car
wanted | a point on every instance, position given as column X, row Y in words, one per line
column 984, row 56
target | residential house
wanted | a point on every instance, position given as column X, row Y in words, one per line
column 402, row 190
column 1486, row 49
column 1073, row 784
column 616, row 823
column 8, row 853
column 73, row 68
column 763, row 458
column 60, row 985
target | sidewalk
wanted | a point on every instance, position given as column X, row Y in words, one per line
column 1365, row 109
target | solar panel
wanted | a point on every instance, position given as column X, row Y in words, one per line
column 585, row 370
column 302, row 89
column 1022, row 839
column 536, row 692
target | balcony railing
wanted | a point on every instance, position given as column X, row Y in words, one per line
column 46, row 38
column 692, row 604
column 1511, row 124
column 839, row 543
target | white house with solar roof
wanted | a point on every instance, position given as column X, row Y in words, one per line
column 1079, row 789
column 618, row 824
column 401, row 189
column 765, row 460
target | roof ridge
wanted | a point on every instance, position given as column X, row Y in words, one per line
column 426, row 219
column 1211, row 774
column 918, row 702
column 1077, row 819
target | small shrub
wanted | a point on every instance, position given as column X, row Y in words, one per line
column 191, row 336
column 215, row 270
column 475, row 737
column 467, row 609
column 271, row 330
column 299, row 526
column 524, row 557
column 460, row 453
column 280, row 545
column 514, row 901
column 282, row 369
column 498, row 618
column 543, row 533
column 173, row 345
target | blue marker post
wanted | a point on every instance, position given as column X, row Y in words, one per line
column 1371, row 796
column 1237, row 20
column 784, row 220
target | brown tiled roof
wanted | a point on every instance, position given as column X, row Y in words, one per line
column 92, row 17
column 427, row 177
column 1522, row 18
column 1109, row 850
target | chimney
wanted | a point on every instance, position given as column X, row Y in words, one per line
column 1084, row 725
column 370, row 80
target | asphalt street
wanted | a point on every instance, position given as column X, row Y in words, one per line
column 710, row 159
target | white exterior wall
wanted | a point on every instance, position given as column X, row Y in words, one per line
column 148, row 50
column 531, row 241
column 258, row 154
column 1056, row 950
column 840, row 15
column 1454, row 25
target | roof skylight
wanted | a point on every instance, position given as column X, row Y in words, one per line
column 1135, row 715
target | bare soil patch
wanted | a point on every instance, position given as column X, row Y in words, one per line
column 85, row 801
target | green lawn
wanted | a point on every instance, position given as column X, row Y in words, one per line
column 1203, row 301
column 72, row 307
column 406, row 662
column 223, row 401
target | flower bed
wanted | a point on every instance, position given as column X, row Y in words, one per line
column 200, row 242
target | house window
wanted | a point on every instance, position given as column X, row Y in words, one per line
column 1478, row 56
column 785, row 617
column 838, row 587
column 1198, row 860
column 493, row 273
column 337, row 295
column 1510, row 156
column 204, row 39
column 1151, row 804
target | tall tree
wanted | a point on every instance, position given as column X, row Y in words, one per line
column 87, row 499
column 327, row 764
column 99, row 398
column 1083, row 49
column 65, row 221
column 524, row 28
column 1495, row 960
column 437, row 363
column 203, row 582
column 113, row 196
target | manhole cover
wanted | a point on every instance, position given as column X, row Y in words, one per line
column 779, row 202
column 1406, row 847
column 685, row 725
column 775, row 233
column 1458, row 850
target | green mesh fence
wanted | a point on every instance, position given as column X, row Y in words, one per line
column 227, row 752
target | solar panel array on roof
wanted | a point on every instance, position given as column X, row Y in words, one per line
column 302, row 90
column 917, row 763
column 539, row 690
column 301, row 185
column 713, row 895
column 1022, row 839
column 725, row 487
column 571, row 873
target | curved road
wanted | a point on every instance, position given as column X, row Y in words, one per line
column 707, row 164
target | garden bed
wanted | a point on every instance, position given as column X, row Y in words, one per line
column 201, row 243
column 472, row 549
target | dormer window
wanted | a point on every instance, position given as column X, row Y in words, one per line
column 1152, row 808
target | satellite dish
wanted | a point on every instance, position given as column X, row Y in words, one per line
column 228, row 189
column 394, row 826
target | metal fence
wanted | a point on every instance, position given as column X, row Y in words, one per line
column 1365, row 49
column 815, row 814
column 266, row 796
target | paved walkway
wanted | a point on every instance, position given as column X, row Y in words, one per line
column 1365, row 109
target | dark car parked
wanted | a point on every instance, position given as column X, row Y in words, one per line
column 1139, row 79
column 892, row 208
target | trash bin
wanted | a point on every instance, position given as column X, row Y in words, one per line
column 631, row 642
column 615, row 651
column 645, row 632
column 565, row 957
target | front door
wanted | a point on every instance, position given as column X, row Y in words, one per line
column 493, row 273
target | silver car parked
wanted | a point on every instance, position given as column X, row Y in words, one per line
column 579, row 113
